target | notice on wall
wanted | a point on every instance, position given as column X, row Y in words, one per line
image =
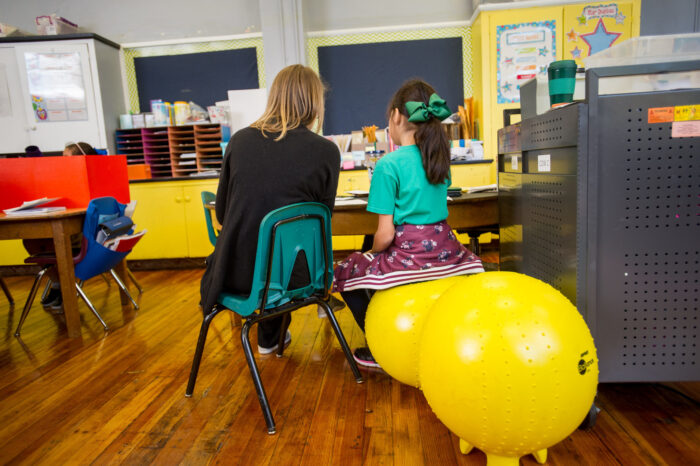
column 56, row 86
column 523, row 51
column 5, row 103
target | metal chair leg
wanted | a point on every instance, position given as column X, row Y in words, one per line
column 7, row 291
column 133, row 279
column 106, row 279
column 82, row 294
column 30, row 299
column 262, row 397
column 200, row 349
column 286, row 319
column 123, row 288
column 341, row 340
column 45, row 293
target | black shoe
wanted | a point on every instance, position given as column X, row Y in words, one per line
column 52, row 298
column 364, row 357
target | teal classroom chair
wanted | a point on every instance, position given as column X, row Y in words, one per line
column 284, row 233
column 207, row 198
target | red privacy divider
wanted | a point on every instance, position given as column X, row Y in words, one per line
column 75, row 179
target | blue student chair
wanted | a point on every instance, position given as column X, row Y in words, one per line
column 207, row 198
column 91, row 260
column 284, row 233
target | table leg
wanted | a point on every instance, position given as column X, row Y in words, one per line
column 121, row 271
column 66, row 276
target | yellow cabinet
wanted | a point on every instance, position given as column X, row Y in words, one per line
column 12, row 252
column 173, row 214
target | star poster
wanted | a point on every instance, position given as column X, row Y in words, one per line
column 522, row 52
column 594, row 27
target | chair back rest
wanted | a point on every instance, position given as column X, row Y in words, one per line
column 98, row 259
column 284, row 233
column 208, row 197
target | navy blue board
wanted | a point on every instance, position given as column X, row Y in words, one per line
column 203, row 78
column 362, row 78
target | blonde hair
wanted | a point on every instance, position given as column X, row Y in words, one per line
column 295, row 99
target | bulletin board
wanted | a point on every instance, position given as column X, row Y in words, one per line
column 523, row 51
column 203, row 78
column 590, row 28
column 131, row 54
column 376, row 65
column 362, row 78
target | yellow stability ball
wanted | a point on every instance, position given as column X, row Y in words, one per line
column 394, row 323
column 508, row 364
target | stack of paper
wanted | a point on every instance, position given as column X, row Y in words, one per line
column 31, row 207
column 478, row 189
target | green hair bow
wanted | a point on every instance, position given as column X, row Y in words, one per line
column 418, row 112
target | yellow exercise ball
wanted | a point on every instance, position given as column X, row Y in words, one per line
column 394, row 323
column 507, row 364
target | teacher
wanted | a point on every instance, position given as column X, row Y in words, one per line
column 276, row 161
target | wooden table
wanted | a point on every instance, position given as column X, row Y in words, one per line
column 468, row 211
column 59, row 226
column 465, row 212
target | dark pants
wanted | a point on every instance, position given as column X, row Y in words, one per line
column 358, row 301
column 269, row 330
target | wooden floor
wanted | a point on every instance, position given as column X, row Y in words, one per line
column 119, row 397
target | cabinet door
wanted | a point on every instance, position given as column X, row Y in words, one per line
column 58, row 98
column 159, row 210
column 471, row 174
column 197, row 236
column 13, row 124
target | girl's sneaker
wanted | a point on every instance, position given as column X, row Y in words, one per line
column 364, row 357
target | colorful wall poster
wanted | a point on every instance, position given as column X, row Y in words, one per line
column 594, row 27
column 56, row 86
column 523, row 51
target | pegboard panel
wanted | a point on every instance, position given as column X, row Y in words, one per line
column 510, row 231
column 648, row 241
column 659, row 302
column 549, row 238
column 661, row 175
column 556, row 128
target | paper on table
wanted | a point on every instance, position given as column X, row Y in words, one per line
column 349, row 201
column 478, row 189
column 358, row 192
column 33, row 212
column 29, row 204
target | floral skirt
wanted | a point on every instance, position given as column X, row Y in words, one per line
column 418, row 253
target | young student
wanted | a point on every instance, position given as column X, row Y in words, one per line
column 79, row 148
column 275, row 162
column 413, row 241
column 53, row 299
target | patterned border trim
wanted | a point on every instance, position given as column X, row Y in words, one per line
column 313, row 43
column 179, row 49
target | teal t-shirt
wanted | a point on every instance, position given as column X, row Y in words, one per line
column 400, row 187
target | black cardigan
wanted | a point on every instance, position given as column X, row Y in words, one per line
column 259, row 175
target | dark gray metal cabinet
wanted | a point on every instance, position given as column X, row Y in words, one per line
column 609, row 208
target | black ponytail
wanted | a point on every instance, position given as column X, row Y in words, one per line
column 430, row 137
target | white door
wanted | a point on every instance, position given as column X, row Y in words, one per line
column 58, row 94
column 14, row 135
